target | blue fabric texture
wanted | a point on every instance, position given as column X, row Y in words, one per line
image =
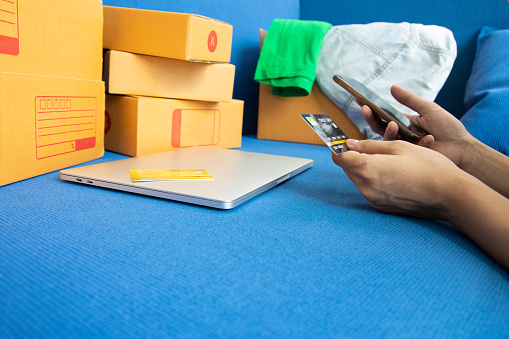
column 487, row 92
column 306, row 259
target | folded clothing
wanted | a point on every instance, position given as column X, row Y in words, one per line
column 289, row 56
column 414, row 56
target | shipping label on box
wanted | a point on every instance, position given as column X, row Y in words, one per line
column 64, row 124
column 9, row 27
column 136, row 74
column 52, row 38
column 140, row 125
column 166, row 34
column 48, row 123
column 279, row 117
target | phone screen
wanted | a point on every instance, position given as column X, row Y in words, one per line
column 379, row 106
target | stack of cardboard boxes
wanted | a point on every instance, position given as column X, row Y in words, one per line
column 169, row 82
column 52, row 97
column 51, row 92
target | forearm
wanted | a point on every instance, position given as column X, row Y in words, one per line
column 487, row 165
column 482, row 214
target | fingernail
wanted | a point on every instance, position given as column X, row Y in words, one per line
column 351, row 142
column 428, row 140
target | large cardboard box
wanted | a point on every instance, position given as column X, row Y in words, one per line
column 48, row 123
column 136, row 74
column 52, row 37
column 165, row 34
column 279, row 117
column 142, row 125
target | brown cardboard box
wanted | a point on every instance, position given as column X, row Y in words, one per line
column 142, row 125
column 136, row 74
column 165, row 34
column 279, row 117
column 52, row 38
column 48, row 123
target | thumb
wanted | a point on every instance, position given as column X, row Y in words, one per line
column 412, row 101
column 375, row 146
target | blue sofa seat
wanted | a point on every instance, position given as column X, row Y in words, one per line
column 308, row 258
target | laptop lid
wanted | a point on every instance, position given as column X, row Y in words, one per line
column 238, row 175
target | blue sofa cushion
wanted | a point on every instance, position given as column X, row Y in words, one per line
column 487, row 91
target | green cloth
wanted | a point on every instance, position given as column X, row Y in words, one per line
column 289, row 56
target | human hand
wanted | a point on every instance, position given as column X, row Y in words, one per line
column 400, row 177
column 447, row 134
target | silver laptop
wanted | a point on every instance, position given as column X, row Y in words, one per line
column 238, row 175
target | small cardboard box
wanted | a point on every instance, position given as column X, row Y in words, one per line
column 48, row 123
column 279, row 117
column 165, row 34
column 52, row 38
column 141, row 125
column 136, row 74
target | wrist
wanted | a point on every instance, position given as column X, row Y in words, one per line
column 457, row 195
column 473, row 151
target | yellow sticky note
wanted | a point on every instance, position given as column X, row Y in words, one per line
column 170, row 174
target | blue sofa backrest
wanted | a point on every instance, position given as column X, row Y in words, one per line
column 464, row 18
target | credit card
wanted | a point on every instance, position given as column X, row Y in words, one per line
column 328, row 131
column 169, row 174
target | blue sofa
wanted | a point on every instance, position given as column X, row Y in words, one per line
column 308, row 258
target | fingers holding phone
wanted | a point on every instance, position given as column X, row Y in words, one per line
column 381, row 108
column 390, row 130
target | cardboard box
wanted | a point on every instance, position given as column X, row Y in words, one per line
column 141, row 125
column 165, row 34
column 48, row 123
column 279, row 117
column 52, row 38
column 136, row 74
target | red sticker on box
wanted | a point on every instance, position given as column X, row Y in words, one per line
column 212, row 41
